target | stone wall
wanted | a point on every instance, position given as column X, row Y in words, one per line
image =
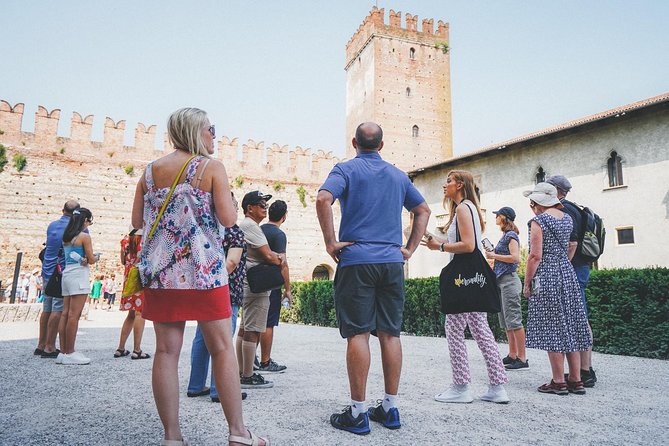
column 98, row 175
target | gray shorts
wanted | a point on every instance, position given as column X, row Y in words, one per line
column 52, row 304
column 255, row 307
column 511, row 316
column 368, row 298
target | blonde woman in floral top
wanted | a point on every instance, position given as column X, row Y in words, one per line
column 182, row 267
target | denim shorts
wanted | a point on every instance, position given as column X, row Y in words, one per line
column 52, row 304
column 368, row 298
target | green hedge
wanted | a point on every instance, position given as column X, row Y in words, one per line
column 629, row 310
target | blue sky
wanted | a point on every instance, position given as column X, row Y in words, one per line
column 274, row 71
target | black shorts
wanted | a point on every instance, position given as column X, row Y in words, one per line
column 274, row 308
column 369, row 297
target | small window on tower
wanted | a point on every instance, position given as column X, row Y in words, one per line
column 412, row 53
column 408, row 92
column 540, row 175
column 414, row 131
column 615, row 169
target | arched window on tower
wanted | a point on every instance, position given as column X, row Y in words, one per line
column 615, row 169
column 412, row 53
column 408, row 92
column 540, row 176
column 414, row 131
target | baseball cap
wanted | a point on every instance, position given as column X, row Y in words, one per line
column 507, row 212
column 560, row 181
column 254, row 197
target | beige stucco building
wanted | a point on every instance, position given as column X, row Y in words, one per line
column 617, row 162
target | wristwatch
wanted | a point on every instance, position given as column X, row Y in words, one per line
column 441, row 247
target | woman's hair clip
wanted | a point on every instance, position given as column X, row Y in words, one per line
column 76, row 212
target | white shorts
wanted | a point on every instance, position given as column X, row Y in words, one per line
column 76, row 280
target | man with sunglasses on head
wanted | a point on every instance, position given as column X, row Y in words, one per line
column 255, row 305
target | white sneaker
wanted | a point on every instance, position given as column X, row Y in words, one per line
column 496, row 394
column 76, row 358
column 457, row 393
column 59, row 358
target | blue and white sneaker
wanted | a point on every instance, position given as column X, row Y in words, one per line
column 346, row 422
column 390, row 419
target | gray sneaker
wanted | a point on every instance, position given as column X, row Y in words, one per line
column 255, row 381
column 271, row 367
column 517, row 364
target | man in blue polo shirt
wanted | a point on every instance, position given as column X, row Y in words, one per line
column 52, row 307
column 369, row 283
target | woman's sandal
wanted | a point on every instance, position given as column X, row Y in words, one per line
column 253, row 441
column 139, row 355
column 182, row 442
column 121, row 353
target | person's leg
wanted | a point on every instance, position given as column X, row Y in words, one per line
column 138, row 331
column 575, row 366
column 266, row 340
column 249, row 343
column 583, row 276
column 218, row 339
column 557, row 366
column 233, row 318
column 357, row 365
column 62, row 325
column 74, row 313
column 519, row 341
column 52, row 327
column 455, row 335
column 199, row 363
column 238, row 347
column 165, row 375
column 125, row 329
column 43, row 322
column 213, row 393
column 391, row 359
column 511, row 339
column 480, row 330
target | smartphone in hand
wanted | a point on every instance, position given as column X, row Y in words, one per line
column 487, row 244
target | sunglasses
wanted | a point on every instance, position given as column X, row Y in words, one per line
column 262, row 205
column 212, row 130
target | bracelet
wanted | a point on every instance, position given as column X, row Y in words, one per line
column 441, row 247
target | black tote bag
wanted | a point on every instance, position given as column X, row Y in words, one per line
column 264, row 277
column 468, row 284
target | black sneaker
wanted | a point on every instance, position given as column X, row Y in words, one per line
column 507, row 360
column 271, row 367
column 346, row 422
column 588, row 377
column 517, row 364
column 390, row 419
column 256, row 364
column 255, row 381
column 215, row 399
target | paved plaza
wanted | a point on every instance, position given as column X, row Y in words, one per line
column 109, row 402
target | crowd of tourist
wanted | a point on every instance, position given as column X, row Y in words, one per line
column 196, row 264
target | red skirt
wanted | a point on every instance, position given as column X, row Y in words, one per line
column 161, row 305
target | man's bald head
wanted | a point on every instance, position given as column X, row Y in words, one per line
column 369, row 136
column 70, row 206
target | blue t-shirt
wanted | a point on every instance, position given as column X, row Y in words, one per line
column 502, row 247
column 371, row 194
column 54, row 241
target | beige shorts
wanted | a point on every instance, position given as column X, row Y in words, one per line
column 254, row 310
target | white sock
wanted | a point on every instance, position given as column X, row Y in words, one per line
column 389, row 401
column 357, row 407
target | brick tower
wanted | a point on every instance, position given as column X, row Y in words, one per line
column 400, row 78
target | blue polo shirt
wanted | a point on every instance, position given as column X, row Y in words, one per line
column 371, row 194
column 54, row 241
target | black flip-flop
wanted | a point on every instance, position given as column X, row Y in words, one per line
column 121, row 353
column 140, row 355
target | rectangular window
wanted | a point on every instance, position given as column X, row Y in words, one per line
column 625, row 235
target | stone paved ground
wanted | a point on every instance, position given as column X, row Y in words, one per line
column 109, row 402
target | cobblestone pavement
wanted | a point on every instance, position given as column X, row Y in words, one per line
column 109, row 402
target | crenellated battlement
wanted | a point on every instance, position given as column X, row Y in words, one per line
column 375, row 23
column 252, row 160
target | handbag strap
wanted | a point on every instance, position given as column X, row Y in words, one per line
column 167, row 199
column 457, row 231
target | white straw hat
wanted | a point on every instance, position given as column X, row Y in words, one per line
column 544, row 194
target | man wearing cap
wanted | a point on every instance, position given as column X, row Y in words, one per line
column 255, row 305
column 52, row 307
column 581, row 266
column 369, row 283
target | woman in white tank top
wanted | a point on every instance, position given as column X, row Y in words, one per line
column 460, row 196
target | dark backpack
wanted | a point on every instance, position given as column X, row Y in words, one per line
column 592, row 236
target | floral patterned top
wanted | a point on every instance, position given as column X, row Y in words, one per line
column 186, row 250
column 234, row 238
